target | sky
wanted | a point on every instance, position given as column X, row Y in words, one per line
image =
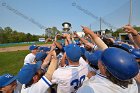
column 30, row 16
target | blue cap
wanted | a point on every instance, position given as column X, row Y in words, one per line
column 27, row 72
column 40, row 48
column 45, row 49
column 120, row 63
column 73, row 52
column 126, row 46
column 6, row 79
column 93, row 57
column 83, row 50
column 32, row 47
column 40, row 56
column 135, row 53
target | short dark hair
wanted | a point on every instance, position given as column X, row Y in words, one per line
column 108, row 42
column 123, row 84
column 118, row 46
column 38, row 73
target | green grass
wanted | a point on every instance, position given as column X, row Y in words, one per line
column 11, row 62
column 22, row 44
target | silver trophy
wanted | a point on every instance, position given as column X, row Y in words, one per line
column 66, row 27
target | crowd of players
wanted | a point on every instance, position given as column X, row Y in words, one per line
column 90, row 64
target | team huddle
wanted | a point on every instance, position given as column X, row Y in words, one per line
column 91, row 64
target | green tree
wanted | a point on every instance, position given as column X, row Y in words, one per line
column 54, row 31
column 2, row 35
column 116, row 33
column 120, row 30
column 28, row 37
column 7, row 35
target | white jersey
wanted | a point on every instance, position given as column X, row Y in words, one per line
column 40, row 87
column 82, row 61
column 29, row 58
column 59, row 57
column 18, row 87
column 69, row 78
column 99, row 84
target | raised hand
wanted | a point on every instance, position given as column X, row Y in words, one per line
column 86, row 30
column 130, row 29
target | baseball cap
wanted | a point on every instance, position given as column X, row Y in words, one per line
column 126, row 46
column 135, row 53
column 27, row 72
column 32, row 47
column 83, row 50
column 40, row 56
column 120, row 63
column 6, row 79
column 40, row 48
column 45, row 49
column 93, row 57
column 73, row 52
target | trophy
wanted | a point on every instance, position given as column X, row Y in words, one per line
column 66, row 27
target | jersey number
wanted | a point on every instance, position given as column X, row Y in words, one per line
column 77, row 82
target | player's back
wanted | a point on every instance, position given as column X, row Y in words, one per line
column 29, row 58
column 69, row 78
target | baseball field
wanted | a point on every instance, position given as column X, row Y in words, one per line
column 12, row 58
column 11, row 62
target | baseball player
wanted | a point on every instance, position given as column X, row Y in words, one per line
column 33, row 78
column 9, row 84
column 70, row 77
column 117, row 68
column 136, row 54
column 31, row 56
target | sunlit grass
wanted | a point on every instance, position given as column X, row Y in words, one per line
column 11, row 62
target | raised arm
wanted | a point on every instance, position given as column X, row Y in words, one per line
column 82, row 39
column 58, row 44
column 134, row 33
column 86, row 42
column 67, row 38
column 132, row 41
column 95, row 38
column 52, row 67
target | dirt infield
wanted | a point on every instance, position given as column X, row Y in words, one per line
column 17, row 48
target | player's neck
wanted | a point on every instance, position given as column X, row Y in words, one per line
column 33, row 53
column 73, row 63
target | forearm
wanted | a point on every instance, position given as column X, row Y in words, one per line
column 95, row 38
column 137, row 39
column 136, row 36
column 69, row 40
column 66, row 42
column 135, row 45
column 52, row 67
column 73, row 41
column 58, row 45
column 91, row 39
column 46, row 62
column 98, row 41
column 83, row 40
